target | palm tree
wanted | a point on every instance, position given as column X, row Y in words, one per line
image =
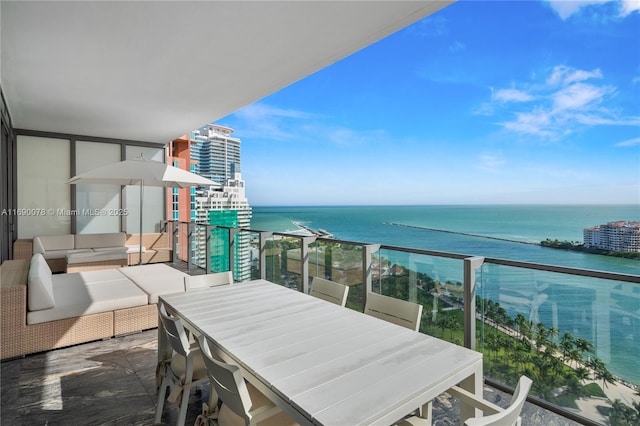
column 521, row 323
column 566, row 345
column 575, row 356
column 582, row 374
column 583, row 345
column 600, row 371
column 623, row 415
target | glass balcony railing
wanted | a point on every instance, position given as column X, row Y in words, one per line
column 575, row 332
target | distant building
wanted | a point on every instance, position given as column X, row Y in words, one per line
column 216, row 155
column 615, row 236
column 226, row 206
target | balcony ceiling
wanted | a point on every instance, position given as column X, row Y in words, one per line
column 152, row 71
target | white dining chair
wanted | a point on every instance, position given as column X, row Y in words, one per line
column 192, row 282
column 330, row 291
column 396, row 311
column 184, row 370
column 242, row 403
column 498, row 416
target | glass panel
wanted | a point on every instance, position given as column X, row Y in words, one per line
column 283, row 261
column 433, row 282
column 573, row 335
column 98, row 205
column 153, row 197
column 243, row 257
column 44, row 197
column 341, row 263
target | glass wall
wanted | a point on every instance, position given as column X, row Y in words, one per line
column 45, row 205
column 97, row 204
column 44, row 197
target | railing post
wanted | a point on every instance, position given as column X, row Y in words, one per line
column 207, row 248
column 304, row 262
column 262, row 250
column 470, row 266
column 189, row 245
column 232, row 249
column 367, row 286
column 175, row 226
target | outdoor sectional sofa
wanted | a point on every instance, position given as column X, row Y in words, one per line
column 40, row 311
column 95, row 251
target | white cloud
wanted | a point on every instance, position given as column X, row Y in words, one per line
column 266, row 121
column 570, row 98
column 457, row 46
column 511, row 95
column 491, row 162
column 579, row 96
column 629, row 142
column 567, row 8
column 627, row 7
column 562, row 74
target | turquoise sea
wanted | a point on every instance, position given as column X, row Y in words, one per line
column 505, row 232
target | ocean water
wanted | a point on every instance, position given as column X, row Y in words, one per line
column 577, row 305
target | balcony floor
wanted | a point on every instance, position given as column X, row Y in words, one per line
column 112, row 382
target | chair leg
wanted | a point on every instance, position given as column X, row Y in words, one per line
column 184, row 403
column 162, row 394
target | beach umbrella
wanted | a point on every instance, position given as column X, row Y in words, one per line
column 143, row 173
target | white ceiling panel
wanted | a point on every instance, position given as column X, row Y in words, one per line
column 154, row 70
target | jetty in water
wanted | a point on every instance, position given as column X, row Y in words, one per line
column 460, row 233
column 319, row 233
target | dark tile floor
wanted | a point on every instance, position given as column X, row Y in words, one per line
column 112, row 382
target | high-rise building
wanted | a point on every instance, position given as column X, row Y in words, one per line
column 216, row 153
column 217, row 156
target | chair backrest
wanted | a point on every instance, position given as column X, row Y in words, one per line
column 396, row 311
column 511, row 414
column 207, row 280
column 228, row 382
column 330, row 291
column 174, row 329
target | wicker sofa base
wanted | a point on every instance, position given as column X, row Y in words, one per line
column 132, row 320
column 17, row 338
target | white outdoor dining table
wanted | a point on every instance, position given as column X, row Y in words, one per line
column 321, row 363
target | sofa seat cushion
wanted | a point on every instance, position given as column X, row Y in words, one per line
column 92, row 292
column 98, row 256
column 111, row 249
column 61, row 254
column 115, row 239
column 156, row 279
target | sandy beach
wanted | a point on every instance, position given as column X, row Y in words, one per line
column 588, row 407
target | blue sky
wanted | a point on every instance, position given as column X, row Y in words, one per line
column 483, row 102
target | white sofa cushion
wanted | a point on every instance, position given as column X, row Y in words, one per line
column 92, row 292
column 156, row 279
column 96, row 256
column 61, row 254
column 44, row 243
column 40, row 284
column 115, row 239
